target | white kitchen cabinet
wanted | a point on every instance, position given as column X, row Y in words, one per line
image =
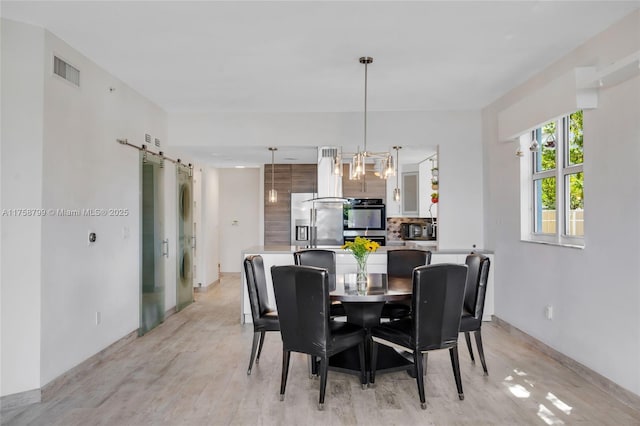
column 410, row 194
column 447, row 258
column 431, row 245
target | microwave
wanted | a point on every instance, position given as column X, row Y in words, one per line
column 410, row 231
column 364, row 214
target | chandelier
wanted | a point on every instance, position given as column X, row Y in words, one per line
column 384, row 164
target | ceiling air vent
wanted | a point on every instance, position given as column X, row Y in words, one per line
column 66, row 71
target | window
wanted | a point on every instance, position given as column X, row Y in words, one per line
column 555, row 182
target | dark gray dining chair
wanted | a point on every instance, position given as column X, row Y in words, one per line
column 264, row 318
column 473, row 307
column 400, row 264
column 325, row 259
column 436, row 306
column 302, row 298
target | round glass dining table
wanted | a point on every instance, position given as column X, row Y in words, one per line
column 378, row 288
column 363, row 306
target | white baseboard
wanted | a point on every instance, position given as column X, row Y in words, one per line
column 206, row 288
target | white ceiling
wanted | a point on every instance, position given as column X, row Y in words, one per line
column 303, row 56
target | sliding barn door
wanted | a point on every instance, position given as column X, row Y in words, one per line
column 153, row 246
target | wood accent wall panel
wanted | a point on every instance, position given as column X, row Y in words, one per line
column 288, row 178
column 277, row 216
column 304, row 177
column 371, row 187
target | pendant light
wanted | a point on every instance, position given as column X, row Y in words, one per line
column 396, row 191
column 273, row 194
column 358, row 161
column 337, row 164
column 390, row 169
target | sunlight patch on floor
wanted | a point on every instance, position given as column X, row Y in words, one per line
column 547, row 416
column 525, row 391
column 519, row 372
column 519, row 391
column 559, row 404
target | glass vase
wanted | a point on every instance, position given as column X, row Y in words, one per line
column 361, row 278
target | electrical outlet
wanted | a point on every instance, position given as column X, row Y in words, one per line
column 98, row 317
column 548, row 312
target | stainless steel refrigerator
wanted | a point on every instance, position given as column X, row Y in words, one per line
column 301, row 218
column 316, row 222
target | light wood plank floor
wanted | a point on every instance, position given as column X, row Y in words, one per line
column 191, row 370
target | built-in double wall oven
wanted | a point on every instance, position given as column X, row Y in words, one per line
column 365, row 217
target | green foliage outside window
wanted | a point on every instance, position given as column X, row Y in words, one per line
column 576, row 156
column 548, row 162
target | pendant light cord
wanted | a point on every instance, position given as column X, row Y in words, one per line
column 366, row 66
column 397, row 166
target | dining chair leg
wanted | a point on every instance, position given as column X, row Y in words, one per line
column 363, row 372
column 374, row 362
column 467, row 337
column 455, row 364
column 286, row 357
column 417, row 361
column 324, row 369
column 313, row 366
column 262, row 333
column 478, row 337
column 254, row 346
column 315, row 362
column 425, row 359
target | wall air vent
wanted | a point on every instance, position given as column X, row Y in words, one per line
column 329, row 152
column 66, row 71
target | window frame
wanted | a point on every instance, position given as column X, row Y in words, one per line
column 561, row 173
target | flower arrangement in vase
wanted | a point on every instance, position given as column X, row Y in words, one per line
column 360, row 248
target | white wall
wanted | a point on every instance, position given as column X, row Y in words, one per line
column 457, row 133
column 59, row 151
column 21, row 134
column 595, row 291
column 239, row 221
column 206, row 213
column 84, row 167
column 210, row 256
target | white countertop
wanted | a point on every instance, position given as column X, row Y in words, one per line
column 337, row 249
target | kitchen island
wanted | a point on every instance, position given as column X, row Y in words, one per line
column 345, row 264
